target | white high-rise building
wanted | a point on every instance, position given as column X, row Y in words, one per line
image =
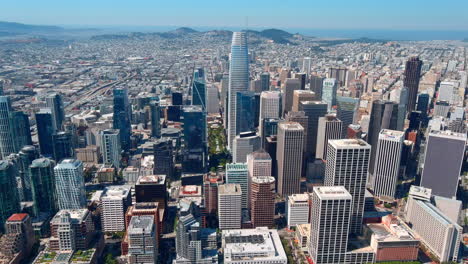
column 297, row 209
column 307, row 65
column 329, row 127
column 447, row 92
column 142, row 241
column 110, row 147
column 270, row 106
column 244, row 144
column 114, row 203
column 229, row 206
column 347, row 165
column 238, row 79
column 329, row 224
column 259, row 164
column 330, row 86
column 237, row 173
column 289, row 156
column 387, row 163
column 69, row 184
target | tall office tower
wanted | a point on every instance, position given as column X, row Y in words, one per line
column 114, row 203
column 265, row 81
column 415, row 118
column 163, row 157
column 54, row 102
column 230, row 206
column 316, row 86
column 330, row 224
column 270, row 107
column 199, row 89
column 121, row 118
column 411, row 80
column 155, row 115
column 269, row 127
column 290, row 85
column 441, row 109
column 443, row 156
column 223, row 94
column 262, row 199
column 140, row 209
column 7, row 145
column 62, row 146
column 18, row 241
column 347, row 164
column 302, row 77
column 439, row 233
column 177, row 98
column 142, row 241
column 21, row 130
column 307, row 65
column 151, row 188
column 259, row 164
column 43, row 186
column 402, row 108
column 313, row 110
column 212, row 100
column 110, row 147
column 387, row 163
column 69, row 183
column 45, row 130
column 330, row 86
column 245, row 112
column 9, row 200
column 346, row 111
column 2, row 86
column 71, row 230
column 423, row 103
column 300, row 118
column 384, row 115
column 211, row 183
column 238, row 173
column 329, row 127
column 339, row 74
column 238, row 79
column 257, row 110
column 289, row 156
column 23, row 159
column 194, row 127
column 297, row 209
column 301, row 96
column 244, row 144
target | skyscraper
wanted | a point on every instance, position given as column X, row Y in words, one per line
column 110, row 147
column 346, row 110
column 259, row 164
column 270, row 107
column 62, row 146
column 301, row 96
column 45, row 130
column 316, row 86
column 23, row 159
column 142, row 241
column 163, row 157
column 121, row 119
column 347, row 165
column 402, row 104
column 212, row 100
column 329, row 127
column 199, row 88
column 238, row 79
column 290, row 85
column 54, row 102
column 69, row 183
column 237, row 173
column 411, row 80
column 443, row 161
column 43, row 186
column 245, row 112
column 387, row 163
column 7, row 145
column 194, row 127
column 307, row 65
column 262, row 199
column 114, row 203
column 313, row 110
column 384, row 115
column 155, row 114
column 19, row 123
column 9, row 200
column 330, row 222
column 289, row 156
column 423, row 103
column 265, row 81
column 244, row 144
column 330, row 86
column 229, row 206
column 302, row 119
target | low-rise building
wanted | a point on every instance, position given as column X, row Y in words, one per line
column 297, row 209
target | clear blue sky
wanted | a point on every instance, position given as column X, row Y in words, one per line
column 324, row 14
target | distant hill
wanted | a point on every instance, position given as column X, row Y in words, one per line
column 184, row 30
column 12, row 28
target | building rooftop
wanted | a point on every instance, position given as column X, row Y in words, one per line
column 76, row 214
column 260, row 155
column 116, row 192
column 391, row 134
column 263, row 179
column 152, row 179
column 290, row 126
column 349, row 143
column 332, row 193
column 270, row 94
column 17, row 217
column 299, row 198
column 229, row 189
column 448, row 134
column 69, row 164
column 142, row 224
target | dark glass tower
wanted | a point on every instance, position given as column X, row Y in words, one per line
column 411, row 81
column 122, row 117
column 199, row 88
column 9, row 200
column 19, row 123
column 62, row 146
column 163, row 157
column 245, row 112
column 155, row 113
column 265, row 81
column 45, row 130
column 43, row 185
column 423, row 104
column 25, row 157
column 194, row 127
column 54, row 102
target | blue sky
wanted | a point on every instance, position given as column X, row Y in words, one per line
column 334, row 14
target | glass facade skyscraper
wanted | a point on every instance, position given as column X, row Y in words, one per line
column 245, row 108
column 21, row 129
column 9, row 201
column 54, row 102
column 238, row 79
column 43, row 185
column 122, row 117
column 199, row 88
column 7, row 145
column 45, row 130
column 194, row 127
